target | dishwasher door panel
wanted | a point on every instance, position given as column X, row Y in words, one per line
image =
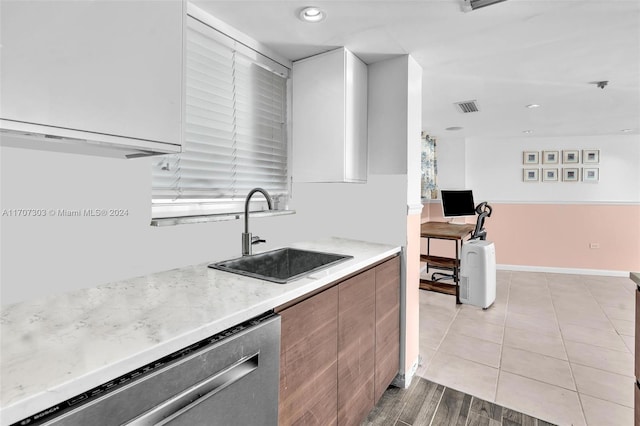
column 231, row 382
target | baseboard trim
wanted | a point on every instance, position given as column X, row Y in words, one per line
column 553, row 270
column 404, row 380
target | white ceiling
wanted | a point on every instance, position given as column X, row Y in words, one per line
column 505, row 56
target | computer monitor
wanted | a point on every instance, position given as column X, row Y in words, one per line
column 457, row 203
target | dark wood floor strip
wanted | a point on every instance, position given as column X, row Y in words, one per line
column 426, row 403
column 464, row 410
column 421, row 395
column 477, row 419
column 486, row 408
column 387, row 410
column 391, row 404
column 428, row 409
column 528, row 420
column 450, row 408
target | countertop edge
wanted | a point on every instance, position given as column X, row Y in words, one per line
column 635, row 277
column 34, row 403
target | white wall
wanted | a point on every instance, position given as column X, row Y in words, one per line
column 450, row 154
column 494, row 170
column 375, row 211
column 395, row 105
column 388, row 116
column 48, row 255
column 52, row 254
column 414, row 127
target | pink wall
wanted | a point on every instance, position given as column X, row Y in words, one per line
column 412, row 317
column 559, row 235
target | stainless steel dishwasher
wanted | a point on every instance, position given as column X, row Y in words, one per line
column 228, row 379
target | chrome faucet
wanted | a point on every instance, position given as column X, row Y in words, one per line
column 247, row 239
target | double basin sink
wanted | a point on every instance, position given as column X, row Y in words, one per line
column 282, row 265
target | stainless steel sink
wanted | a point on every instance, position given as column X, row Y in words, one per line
column 282, row 265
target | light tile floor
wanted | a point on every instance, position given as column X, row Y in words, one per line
column 554, row 346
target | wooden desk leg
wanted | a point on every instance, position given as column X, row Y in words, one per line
column 456, row 275
column 428, row 252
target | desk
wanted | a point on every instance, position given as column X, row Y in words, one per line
column 444, row 231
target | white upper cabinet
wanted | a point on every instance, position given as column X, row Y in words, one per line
column 107, row 72
column 330, row 118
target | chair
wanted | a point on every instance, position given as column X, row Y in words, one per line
column 484, row 211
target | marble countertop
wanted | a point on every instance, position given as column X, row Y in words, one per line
column 635, row 277
column 57, row 347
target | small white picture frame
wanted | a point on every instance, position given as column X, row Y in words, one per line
column 549, row 175
column 590, row 156
column 530, row 175
column 550, row 157
column 570, row 156
column 570, row 174
column 530, row 157
column 591, row 174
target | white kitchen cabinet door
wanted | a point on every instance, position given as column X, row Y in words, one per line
column 109, row 67
column 330, row 118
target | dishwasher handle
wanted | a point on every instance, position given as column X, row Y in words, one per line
column 196, row 394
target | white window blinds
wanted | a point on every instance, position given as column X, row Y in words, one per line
column 235, row 134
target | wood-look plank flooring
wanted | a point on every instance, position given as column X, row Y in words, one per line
column 426, row 403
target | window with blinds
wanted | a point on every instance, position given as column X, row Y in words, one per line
column 235, row 131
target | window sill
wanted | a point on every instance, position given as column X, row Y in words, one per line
column 170, row 221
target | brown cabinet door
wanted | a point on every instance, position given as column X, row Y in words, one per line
column 637, row 357
column 637, row 350
column 387, row 324
column 636, row 400
column 308, row 367
column 356, row 347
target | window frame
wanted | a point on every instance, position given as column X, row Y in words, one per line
column 169, row 210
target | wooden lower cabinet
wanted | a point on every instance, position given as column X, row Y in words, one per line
column 637, row 360
column 308, row 361
column 637, row 338
column 636, row 401
column 387, row 324
column 356, row 347
column 340, row 349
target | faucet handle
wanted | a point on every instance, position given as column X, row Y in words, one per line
column 257, row 240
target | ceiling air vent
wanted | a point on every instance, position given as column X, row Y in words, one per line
column 467, row 106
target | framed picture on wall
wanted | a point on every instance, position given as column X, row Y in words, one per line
column 549, row 175
column 590, row 156
column 570, row 156
column 530, row 157
column 590, row 174
column 530, row 175
column 550, row 157
column 570, row 174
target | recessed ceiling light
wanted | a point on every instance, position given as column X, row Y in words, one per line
column 312, row 14
column 527, row 131
column 454, row 128
column 533, row 106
